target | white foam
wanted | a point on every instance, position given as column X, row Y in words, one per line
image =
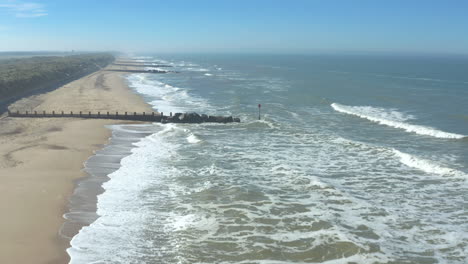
column 427, row 165
column 198, row 69
column 156, row 69
column 183, row 222
column 122, row 212
column 193, row 139
column 186, row 64
column 208, row 74
column 167, row 98
column 425, row 79
column 143, row 57
column 174, row 202
column 392, row 119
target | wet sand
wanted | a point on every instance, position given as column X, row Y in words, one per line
column 41, row 158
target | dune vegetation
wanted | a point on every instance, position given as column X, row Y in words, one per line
column 24, row 75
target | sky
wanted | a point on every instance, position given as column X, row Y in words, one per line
column 236, row 26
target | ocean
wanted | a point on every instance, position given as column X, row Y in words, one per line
column 356, row 159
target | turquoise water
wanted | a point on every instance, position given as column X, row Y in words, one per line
column 357, row 159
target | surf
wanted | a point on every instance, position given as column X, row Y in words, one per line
column 426, row 166
column 379, row 116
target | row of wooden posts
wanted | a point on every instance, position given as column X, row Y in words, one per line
column 151, row 116
column 17, row 113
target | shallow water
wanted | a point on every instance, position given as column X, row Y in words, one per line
column 356, row 159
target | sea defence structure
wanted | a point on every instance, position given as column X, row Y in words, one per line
column 143, row 65
column 131, row 116
column 140, row 71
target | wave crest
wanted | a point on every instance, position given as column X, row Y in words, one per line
column 381, row 117
column 426, row 165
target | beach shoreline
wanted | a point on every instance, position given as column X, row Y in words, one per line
column 43, row 158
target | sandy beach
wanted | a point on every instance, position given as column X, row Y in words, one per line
column 41, row 158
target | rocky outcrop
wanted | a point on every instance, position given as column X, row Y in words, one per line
column 196, row 118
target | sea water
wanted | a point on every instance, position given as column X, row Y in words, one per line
column 356, row 159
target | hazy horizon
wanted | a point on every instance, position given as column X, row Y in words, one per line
column 207, row 26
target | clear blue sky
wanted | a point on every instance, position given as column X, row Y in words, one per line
column 276, row 26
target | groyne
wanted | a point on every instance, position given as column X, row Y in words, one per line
column 143, row 65
column 131, row 116
column 139, row 71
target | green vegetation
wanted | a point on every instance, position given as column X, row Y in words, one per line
column 20, row 76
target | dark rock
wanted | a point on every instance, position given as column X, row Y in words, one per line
column 187, row 118
column 196, row 118
column 220, row 119
column 175, row 118
column 236, row 119
column 215, row 119
column 211, row 119
column 192, row 118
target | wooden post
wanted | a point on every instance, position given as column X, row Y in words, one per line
column 143, row 113
column 170, row 113
column 98, row 113
column 71, row 113
column 35, row 113
column 89, row 113
column 259, row 106
column 62, row 113
column 80, row 113
column 26, row 112
column 9, row 113
column 134, row 113
column 107, row 113
column 125, row 113
column 116, row 114
column 162, row 114
column 53, row 113
column 17, row 112
column 43, row 113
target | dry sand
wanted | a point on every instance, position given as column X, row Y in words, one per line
column 41, row 158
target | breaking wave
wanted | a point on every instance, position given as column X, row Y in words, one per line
column 427, row 165
column 390, row 118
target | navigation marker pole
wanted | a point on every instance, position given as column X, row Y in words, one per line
column 259, row 106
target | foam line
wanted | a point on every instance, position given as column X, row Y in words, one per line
column 371, row 114
column 426, row 165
